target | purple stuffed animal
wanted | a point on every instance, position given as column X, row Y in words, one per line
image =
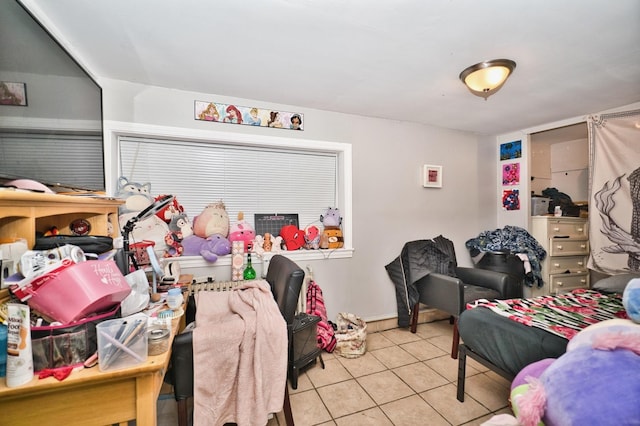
column 209, row 248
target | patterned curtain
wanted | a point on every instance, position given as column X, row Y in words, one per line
column 614, row 188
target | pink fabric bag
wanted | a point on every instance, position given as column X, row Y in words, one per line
column 315, row 306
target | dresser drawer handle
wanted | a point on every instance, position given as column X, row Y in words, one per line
column 557, row 265
column 583, row 246
column 580, row 263
column 556, row 229
column 580, row 230
column 559, row 247
column 583, row 281
column 559, row 283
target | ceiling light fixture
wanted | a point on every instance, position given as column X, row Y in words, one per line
column 486, row 78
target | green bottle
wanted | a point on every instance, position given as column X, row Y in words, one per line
column 249, row 273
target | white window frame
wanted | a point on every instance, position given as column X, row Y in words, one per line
column 115, row 129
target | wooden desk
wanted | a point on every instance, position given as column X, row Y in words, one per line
column 89, row 396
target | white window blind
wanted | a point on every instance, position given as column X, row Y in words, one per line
column 69, row 159
column 251, row 179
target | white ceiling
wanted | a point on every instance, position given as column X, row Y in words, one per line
column 396, row 59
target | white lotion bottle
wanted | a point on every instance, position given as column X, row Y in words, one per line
column 19, row 353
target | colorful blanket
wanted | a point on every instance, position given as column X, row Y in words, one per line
column 563, row 314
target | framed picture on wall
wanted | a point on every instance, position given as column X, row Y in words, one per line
column 12, row 93
column 510, row 150
column 431, row 176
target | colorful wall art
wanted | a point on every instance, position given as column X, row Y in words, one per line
column 511, row 174
column 511, row 199
column 510, row 150
column 250, row 116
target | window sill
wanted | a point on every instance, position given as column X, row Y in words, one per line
column 296, row 256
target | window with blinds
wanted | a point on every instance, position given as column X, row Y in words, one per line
column 74, row 160
column 251, row 179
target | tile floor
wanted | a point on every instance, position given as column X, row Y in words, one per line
column 404, row 379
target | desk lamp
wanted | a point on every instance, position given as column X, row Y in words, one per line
column 124, row 257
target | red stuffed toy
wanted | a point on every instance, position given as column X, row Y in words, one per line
column 292, row 236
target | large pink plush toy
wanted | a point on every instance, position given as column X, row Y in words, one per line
column 242, row 231
column 210, row 231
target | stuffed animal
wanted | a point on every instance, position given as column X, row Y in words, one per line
column 331, row 217
column 179, row 229
column 331, row 237
column 242, row 231
column 213, row 220
column 149, row 229
column 312, row 238
column 276, row 244
column 631, row 299
column 596, row 382
column 137, row 196
column 167, row 213
column 210, row 231
column 292, row 236
column 209, row 248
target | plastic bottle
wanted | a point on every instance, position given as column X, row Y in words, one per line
column 557, row 211
column 174, row 298
column 3, row 350
column 19, row 355
column 249, row 273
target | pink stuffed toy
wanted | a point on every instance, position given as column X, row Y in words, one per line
column 210, row 230
column 213, row 220
column 242, row 231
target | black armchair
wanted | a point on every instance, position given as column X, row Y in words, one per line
column 285, row 278
column 452, row 293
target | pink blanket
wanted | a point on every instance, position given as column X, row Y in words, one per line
column 239, row 356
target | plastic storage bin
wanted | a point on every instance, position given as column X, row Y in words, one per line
column 76, row 290
column 122, row 342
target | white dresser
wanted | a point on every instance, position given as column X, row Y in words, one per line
column 566, row 241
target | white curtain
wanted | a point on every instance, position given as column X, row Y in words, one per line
column 614, row 188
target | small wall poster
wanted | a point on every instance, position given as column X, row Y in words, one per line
column 510, row 150
column 511, row 199
column 511, row 174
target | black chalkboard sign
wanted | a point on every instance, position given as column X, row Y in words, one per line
column 273, row 222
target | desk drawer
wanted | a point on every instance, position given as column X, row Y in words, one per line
column 563, row 283
column 573, row 264
column 566, row 227
column 568, row 247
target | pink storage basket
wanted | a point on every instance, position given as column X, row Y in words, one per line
column 71, row 293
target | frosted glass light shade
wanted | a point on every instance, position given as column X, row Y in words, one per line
column 485, row 78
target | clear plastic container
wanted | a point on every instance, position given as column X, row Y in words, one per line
column 122, row 342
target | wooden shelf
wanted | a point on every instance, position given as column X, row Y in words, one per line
column 22, row 214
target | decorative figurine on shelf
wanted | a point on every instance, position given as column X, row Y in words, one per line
column 242, row 231
column 331, row 237
column 267, row 244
